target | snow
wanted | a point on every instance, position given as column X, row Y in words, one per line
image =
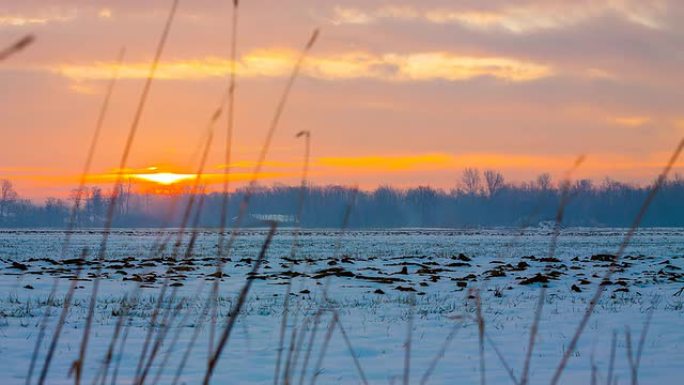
column 376, row 323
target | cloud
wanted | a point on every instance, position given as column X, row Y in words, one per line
column 597, row 73
column 630, row 121
column 250, row 164
column 387, row 163
column 525, row 17
column 439, row 161
column 445, row 66
column 350, row 65
column 20, row 20
column 351, row 16
column 596, row 165
column 105, row 13
column 168, row 178
column 82, row 88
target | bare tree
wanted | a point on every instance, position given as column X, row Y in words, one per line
column 56, row 211
column 471, row 181
column 677, row 178
column 544, row 182
column 96, row 205
column 7, row 196
column 128, row 189
column 494, row 181
column 584, row 186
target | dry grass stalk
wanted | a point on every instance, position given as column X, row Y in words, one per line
column 77, row 366
column 17, row 47
column 60, row 323
column 237, row 307
column 409, row 338
column 293, row 251
column 166, row 325
column 309, row 349
column 502, row 359
column 440, row 354
column 480, row 334
column 611, row 362
column 74, row 213
column 634, row 358
column 560, row 213
column 295, row 348
column 230, row 115
column 224, row 250
column 623, row 246
column 324, row 350
column 524, row 377
column 347, row 341
column 193, row 338
column 140, row 374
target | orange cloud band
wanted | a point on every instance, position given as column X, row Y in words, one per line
column 392, row 67
column 596, row 166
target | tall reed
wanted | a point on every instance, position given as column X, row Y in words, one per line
column 77, row 366
column 17, row 47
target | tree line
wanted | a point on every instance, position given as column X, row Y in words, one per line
column 482, row 199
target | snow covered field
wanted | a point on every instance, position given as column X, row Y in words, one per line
column 377, row 281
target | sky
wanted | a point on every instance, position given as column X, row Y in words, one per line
column 401, row 93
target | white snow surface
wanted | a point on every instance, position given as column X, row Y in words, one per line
column 649, row 274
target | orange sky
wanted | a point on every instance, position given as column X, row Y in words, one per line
column 402, row 93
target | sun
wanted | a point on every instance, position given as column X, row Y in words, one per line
column 163, row 178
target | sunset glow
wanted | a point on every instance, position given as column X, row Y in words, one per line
column 393, row 93
column 164, row 178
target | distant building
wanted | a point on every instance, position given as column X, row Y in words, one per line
column 259, row 219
